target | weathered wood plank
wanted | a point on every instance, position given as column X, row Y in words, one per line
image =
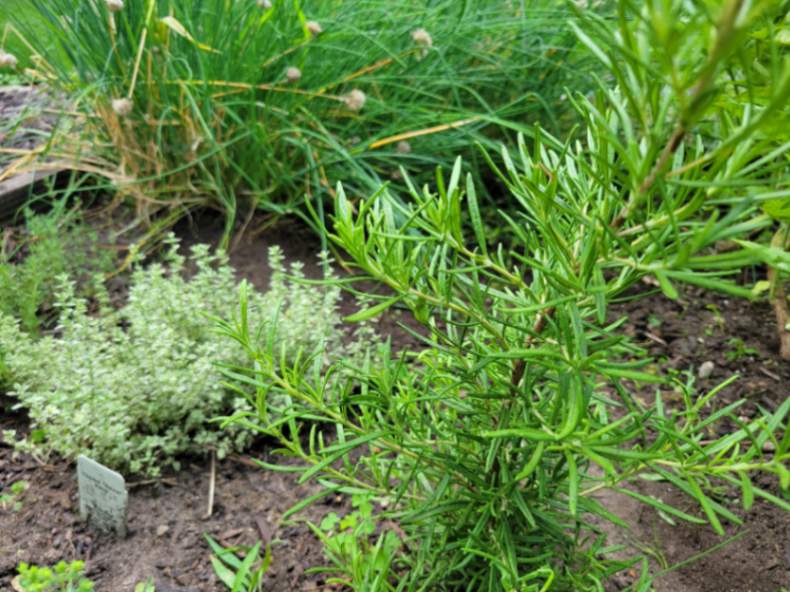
column 16, row 190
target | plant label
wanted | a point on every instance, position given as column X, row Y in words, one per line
column 103, row 496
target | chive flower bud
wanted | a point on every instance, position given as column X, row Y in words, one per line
column 404, row 147
column 114, row 5
column 8, row 60
column 293, row 74
column 355, row 100
column 314, row 28
column 423, row 39
column 122, row 107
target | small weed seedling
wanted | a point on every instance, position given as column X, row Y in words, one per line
column 654, row 321
column 11, row 499
column 362, row 559
column 739, row 350
column 63, row 577
column 240, row 574
column 718, row 320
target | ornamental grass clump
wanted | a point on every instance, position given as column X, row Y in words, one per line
column 135, row 387
column 488, row 449
column 238, row 104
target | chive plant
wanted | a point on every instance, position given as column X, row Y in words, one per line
column 487, row 447
column 242, row 104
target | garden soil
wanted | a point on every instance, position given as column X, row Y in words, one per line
column 167, row 519
column 736, row 337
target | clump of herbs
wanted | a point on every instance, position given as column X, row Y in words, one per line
column 136, row 386
column 52, row 244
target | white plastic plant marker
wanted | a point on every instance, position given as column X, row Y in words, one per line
column 103, row 496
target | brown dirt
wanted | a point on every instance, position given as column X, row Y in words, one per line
column 167, row 519
column 738, row 337
column 166, row 526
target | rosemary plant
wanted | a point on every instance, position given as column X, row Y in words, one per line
column 488, row 446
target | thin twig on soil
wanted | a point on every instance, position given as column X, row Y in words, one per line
column 170, row 482
column 264, row 530
column 211, row 485
column 245, row 460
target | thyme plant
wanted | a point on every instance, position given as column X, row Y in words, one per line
column 135, row 387
column 487, row 447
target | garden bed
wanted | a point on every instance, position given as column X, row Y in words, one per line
column 28, row 112
column 539, row 385
column 168, row 517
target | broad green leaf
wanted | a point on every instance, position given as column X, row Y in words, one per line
column 666, row 286
column 225, row 575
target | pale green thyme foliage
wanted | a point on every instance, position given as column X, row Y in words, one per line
column 135, row 387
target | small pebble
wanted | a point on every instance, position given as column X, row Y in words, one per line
column 706, row 369
column 162, row 530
